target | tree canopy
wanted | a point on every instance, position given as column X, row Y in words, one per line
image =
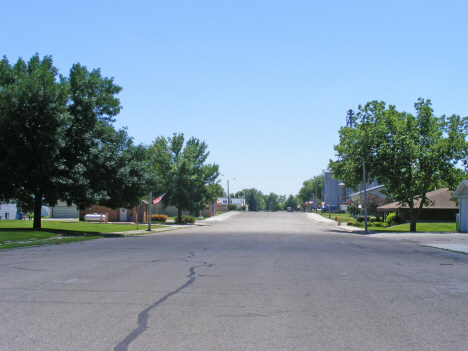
column 58, row 141
column 407, row 153
column 309, row 187
column 272, row 202
column 181, row 172
column 254, row 199
column 291, row 202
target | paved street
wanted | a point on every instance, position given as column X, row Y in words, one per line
column 255, row 281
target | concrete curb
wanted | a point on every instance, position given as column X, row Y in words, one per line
column 223, row 217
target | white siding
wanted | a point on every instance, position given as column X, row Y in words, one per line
column 463, row 214
column 7, row 211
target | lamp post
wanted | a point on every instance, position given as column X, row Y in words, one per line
column 228, row 192
column 329, row 197
column 365, row 193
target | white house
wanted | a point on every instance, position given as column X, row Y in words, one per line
column 232, row 200
column 8, row 211
column 372, row 190
column 462, row 194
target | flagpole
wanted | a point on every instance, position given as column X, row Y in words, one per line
column 149, row 210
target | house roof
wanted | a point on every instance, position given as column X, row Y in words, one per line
column 367, row 190
column 440, row 197
column 461, row 188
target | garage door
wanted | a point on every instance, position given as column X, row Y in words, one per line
column 64, row 212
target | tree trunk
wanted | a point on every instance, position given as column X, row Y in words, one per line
column 179, row 215
column 37, row 210
column 412, row 227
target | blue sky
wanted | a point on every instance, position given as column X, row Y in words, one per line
column 265, row 83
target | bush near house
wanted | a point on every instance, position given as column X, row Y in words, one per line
column 393, row 218
column 232, row 207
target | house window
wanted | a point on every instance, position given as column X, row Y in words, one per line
column 224, row 201
column 7, row 215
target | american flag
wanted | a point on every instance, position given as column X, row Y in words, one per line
column 155, row 201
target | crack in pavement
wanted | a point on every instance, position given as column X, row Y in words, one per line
column 144, row 315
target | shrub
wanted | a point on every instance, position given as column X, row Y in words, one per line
column 393, row 218
column 372, row 219
column 243, row 208
column 232, row 207
column 186, row 219
column 350, row 223
column 377, row 224
column 158, row 218
column 360, row 219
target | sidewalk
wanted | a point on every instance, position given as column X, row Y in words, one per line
column 452, row 241
column 222, row 217
column 320, row 219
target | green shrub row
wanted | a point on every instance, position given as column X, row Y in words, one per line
column 380, row 224
column 361, row 224
column 186, row 219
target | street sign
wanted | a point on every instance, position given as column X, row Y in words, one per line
column 241, row 194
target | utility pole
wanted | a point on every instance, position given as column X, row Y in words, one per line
column 150, row 201
column 365, row 193
column 316, row 199
column 329, row 198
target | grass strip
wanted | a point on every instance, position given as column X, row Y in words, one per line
column 17, row 233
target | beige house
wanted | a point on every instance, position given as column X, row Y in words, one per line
column 139, row 213
column 442, row 207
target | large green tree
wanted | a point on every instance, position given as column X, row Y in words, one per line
column 272, row 202
column 291, row 202
column 58, row 141
column 181, row 172
column 310, row 187
column 254, row 199
column 407, row 153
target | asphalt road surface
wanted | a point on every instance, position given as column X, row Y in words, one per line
column 257, row 281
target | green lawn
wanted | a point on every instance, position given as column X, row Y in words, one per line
column 342, row 217
column 15, row 233
column 420, row 227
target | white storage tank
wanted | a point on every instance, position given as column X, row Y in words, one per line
column 95, row 217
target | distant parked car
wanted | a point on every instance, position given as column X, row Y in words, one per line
column 325, row 208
